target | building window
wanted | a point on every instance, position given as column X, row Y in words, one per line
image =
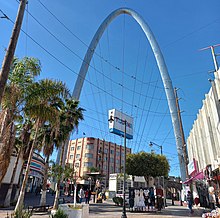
column 78, row 147
column 72, row 148
column 71, row 156
column 77, row 156
column 76, row 164
column 117, row 170
column 112, row 169
column 89, row 155
column 100, row 151
column 106, row 151
column 112, row 151
column 117, row 161
column 111, row 160
column 105, row 167
column 88, row 164
column 117, row 153
column 106, row 158
column 89, row 146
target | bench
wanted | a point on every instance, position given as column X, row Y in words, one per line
column 38, row 208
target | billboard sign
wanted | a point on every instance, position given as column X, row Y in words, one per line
column 117, row 125
column 192, row 167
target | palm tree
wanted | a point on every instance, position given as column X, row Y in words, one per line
column 41, row 106
column 49, row 133
column 25, row 139
column 70, row 115
column 22, row 74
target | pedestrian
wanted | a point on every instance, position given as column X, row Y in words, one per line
column 87, row 196
column 212, row 200
column 189, row 199
column 197, row 201
column 81, row 195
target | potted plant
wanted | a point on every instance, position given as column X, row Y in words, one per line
column 78, row 211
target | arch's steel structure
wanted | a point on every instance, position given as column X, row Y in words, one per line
column 161, row 65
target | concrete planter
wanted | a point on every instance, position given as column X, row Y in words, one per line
column 81, row 210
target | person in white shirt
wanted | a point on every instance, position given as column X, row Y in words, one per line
column 81, row 195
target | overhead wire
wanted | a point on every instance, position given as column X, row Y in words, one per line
column 71, row 32
column 75, row 54
column 143, row 74
column 135, row 76
column 145, row 100
column 150, row 126
column 146, row 119
column 109, row 57
column 26, row 38
column 103, row 78
column 67, row 67
column 58, row 59
column 160, row 124
column 94, row 99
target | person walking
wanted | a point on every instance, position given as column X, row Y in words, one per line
column 87, row 196
column 81, row 195
column 189, row 199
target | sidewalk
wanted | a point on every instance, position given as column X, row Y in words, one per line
column 107, row 209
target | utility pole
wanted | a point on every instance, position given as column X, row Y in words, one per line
column 213, row 82
column 11, row 48
column 159, row 146
column 185, row 155
column 214, row 55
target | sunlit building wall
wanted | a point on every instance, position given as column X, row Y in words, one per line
column 88, row 152
column 203, row 142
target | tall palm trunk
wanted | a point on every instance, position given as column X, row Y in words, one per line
column 55, row 205
column 8, row 195
column 19, row 182
column 23, row 186
column 44, row 188
column 6, row 147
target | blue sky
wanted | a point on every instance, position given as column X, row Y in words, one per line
column 181, row 29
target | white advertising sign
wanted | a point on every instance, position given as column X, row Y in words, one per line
column 191, row 167
column 117, row 125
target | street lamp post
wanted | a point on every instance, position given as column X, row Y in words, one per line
column 181, row 202
column 124, row 169
column 160, row 146
column 124, row 187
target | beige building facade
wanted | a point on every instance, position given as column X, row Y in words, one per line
column 88, row 152
column 203, row 142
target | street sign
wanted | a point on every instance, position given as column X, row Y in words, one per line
column 117, row 125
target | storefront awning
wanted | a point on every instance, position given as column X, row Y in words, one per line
column 198, row 176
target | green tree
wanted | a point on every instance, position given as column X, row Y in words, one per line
column 22, row 74
column 48, row 133
column 70, row 115
column 41, row 106
column 147, row 164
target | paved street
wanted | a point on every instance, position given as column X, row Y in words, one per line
column 108, row 209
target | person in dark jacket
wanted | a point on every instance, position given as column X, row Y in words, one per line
column 189, row 199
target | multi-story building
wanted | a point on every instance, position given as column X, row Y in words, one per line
column 204, row 138
column 35, row 176
column 85, row 153
column 203, row 143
